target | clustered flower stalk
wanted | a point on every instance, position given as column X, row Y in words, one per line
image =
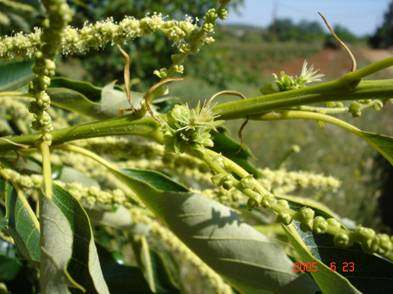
column 195, row 41
column 229, row 175
column 96, row 36
column 59, row 15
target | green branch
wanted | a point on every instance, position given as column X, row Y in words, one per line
column 126, row 125
column 308, row 115
column 348, row 87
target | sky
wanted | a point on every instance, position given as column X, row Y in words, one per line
column 360, row 16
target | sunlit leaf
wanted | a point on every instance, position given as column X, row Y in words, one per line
column 84, row 267
column 245, row 258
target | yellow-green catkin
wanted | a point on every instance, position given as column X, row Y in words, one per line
column 59, row 15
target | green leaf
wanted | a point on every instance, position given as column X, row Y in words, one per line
column 153, row 267
column 383, row 144
column 22, row 224
column 14, row 75
column 9, row 263
column 121, row 278
column 84, row 267
column 56, row 246
column 114, row 100
column 162, row 267
column 243, row 256
column 92, row 92
column 76, row 102
column 239, row 153
column 96, row 102
column 166, row 269
column 372, row 273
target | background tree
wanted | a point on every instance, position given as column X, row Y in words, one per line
column 383, row 37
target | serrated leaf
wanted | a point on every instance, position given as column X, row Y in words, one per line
column 14, row 75
column 383, row 144
column 243, row 256
column 22, row 224
column 371, row 274
column 235, row 151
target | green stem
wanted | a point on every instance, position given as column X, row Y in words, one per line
column 324, row 110
column 232, row 167
column 46, row 169
column 342, row 89
column 89, row 154
column 308, row 115
column 145, row 127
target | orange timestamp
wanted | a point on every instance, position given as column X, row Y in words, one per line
column 312, row 267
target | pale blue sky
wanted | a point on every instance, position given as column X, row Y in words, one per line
column 360, row 16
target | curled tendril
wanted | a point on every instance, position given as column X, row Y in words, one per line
column 238, row 94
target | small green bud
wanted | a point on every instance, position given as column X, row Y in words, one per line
column 211, row 15
column 365, row 236
column 222, row 13
column 283, row 203
column 252, row 203
column 228, row 184
column 253, row 195
column 378, row 105
column 320, row 225
column 267, row 201
column 306, row 217
column 248, row 182
column 355, row 109
column 217, row 179
column 385, row 243
column 306, row 213
column 284, row 218
column 363, row 233
column 342, row 240
column 333, row 223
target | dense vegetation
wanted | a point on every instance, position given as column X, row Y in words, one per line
column 107, row 189
column 383, row 37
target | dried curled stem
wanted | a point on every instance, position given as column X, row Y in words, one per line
column 339, row 41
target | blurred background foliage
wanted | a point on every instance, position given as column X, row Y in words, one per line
column 244, row 58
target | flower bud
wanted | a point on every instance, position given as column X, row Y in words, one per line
column 284, row 218
column 342, row 240
column 320, row 225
